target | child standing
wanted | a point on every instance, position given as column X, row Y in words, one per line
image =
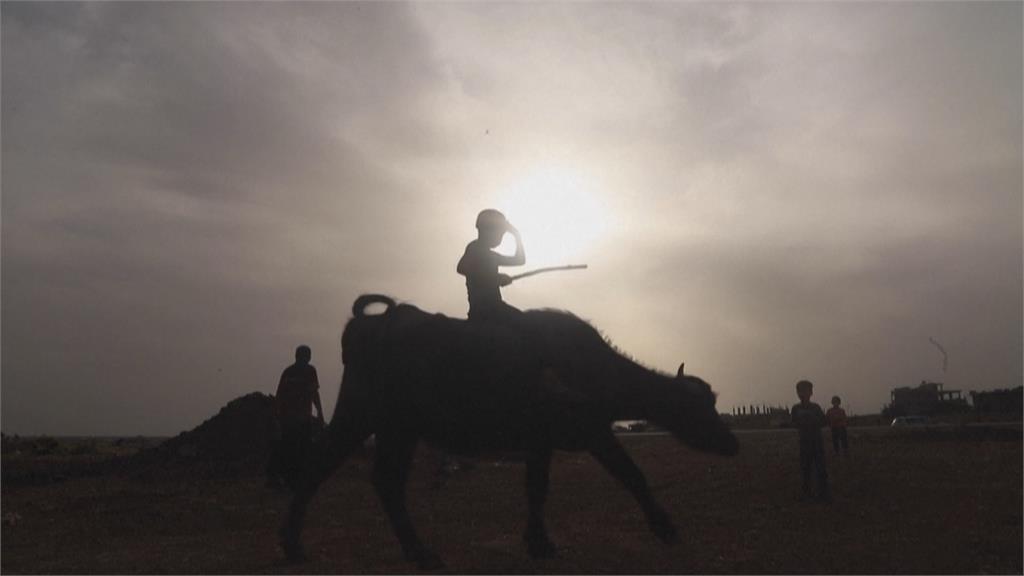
column 808, row 420
column 837, row 422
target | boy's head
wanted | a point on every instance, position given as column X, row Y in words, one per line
column 804, row 389
column 303, row 354
column 836, row 401
column 491, row 226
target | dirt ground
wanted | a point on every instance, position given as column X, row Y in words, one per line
column 921, row 501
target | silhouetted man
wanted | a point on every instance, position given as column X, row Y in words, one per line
column 298, row 392
column 809, row 420
column 479, row 264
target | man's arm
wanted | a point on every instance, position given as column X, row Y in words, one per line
column 319, row 408
column 463, row 266
column 316, row 397
column 277, row 396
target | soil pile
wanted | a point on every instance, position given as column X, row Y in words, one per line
column 239, row 438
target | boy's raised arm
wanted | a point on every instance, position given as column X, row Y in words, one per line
column 517, row 259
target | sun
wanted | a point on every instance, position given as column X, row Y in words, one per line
column 559, row 212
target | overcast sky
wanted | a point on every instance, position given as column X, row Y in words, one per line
column 769, row 192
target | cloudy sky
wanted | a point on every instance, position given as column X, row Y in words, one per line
column 769, row 192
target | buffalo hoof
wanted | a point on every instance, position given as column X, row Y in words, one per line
column 665, row 530
column 293, row 553
column 427, row 560
column 540, row 548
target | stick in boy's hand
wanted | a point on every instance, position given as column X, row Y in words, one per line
column 548, row 269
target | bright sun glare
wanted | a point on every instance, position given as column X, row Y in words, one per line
column 559, row 213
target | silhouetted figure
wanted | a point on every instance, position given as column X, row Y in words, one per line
column 411, row 375
column 809, row 420
column 837, row 422
column 298, row 391
column 479, row 264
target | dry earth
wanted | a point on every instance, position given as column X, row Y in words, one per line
column 940, row 500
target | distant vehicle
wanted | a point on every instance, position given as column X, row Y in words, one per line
column 630, row 426
column 908, row 421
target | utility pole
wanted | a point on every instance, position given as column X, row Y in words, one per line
column 945, row 357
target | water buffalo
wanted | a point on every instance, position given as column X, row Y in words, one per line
column 548, row 382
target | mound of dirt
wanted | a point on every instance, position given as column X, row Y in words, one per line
column 238, row 438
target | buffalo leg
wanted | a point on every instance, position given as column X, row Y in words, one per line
column 538, row 468
column 390, row 473
column 328, row 453
column 610, row 453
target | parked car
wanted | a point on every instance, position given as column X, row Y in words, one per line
column 908, row 421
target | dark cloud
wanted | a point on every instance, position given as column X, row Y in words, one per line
column 177, row 179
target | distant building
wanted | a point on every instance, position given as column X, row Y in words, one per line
column 1008, row 402
column 928, row 398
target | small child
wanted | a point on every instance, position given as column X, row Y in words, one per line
column 808, row 420
column 479, row 264
column 837, row 422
